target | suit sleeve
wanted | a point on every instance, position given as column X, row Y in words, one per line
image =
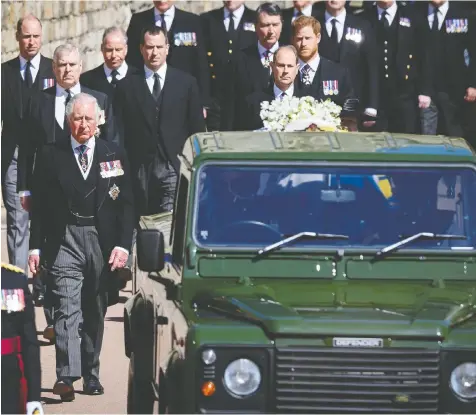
column 471, row 36
column 128, row 213
column 350, row 102
column 371, row 58
column 39, row 188
column 203, row 75
column 30, row 347
column 134, row 57
column 196, row 122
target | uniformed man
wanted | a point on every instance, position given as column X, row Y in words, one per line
column 21, row 370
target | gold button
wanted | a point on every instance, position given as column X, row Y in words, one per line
column 385, row 51
column 410, row 56
column 209, row 54
column 213, row 76
column 406, row 76
column 386, row 66
column 211, row 65
column 408, row 66
column 385, row 42
column 385, row 58
column 386, row 75
column 231, row 41
column 230, row 51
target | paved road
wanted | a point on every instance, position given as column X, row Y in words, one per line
column 114, row 364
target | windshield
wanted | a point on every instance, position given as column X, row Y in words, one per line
column 373, row 206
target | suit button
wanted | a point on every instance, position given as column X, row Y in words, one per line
column 406, row 77
column 408, row 66
column 230, row 51
column 209, row 53
column 385, row 42
column 385, row 51
column 213, row 76
column 386, row 66
column 211, row 65
column 386, row 75
column 410, row 56
column 385, row 58
column 231, row 41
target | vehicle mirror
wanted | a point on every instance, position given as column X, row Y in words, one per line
column 337, row 195
column 150, row 250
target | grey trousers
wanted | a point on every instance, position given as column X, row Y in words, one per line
column 79, row 289
column 17, row 218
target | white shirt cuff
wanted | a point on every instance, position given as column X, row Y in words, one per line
column 121, row 249
column 34, row 252
column 23, row 193
column 371, row 112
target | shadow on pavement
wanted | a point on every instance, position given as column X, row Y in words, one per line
column 117, row 319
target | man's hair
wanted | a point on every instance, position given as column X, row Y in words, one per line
column 114, row 29
column 27, row 17
column 288, row 47
column 271, row 9
column 304, row 21
column 153, row 30
column 65, row 48
column 82, row 97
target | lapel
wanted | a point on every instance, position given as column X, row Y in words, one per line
column 258, row 68
column 219, row 15
column 66, row 163
column 248, row 16
column 47, row 110
column 102, row 154
column 145, row 99
column 16, row 86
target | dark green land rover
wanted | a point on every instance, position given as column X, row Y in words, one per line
column 309, row 273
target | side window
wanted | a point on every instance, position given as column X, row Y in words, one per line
column 179, row 220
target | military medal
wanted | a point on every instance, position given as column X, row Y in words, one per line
column 336, row 87
column 114, row 192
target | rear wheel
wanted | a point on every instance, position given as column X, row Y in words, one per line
column 140, row 396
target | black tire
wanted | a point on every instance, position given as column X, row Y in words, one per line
column 140, row 396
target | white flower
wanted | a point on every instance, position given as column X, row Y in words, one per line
column 101, row 121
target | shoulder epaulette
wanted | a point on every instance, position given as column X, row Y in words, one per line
column 13, row 268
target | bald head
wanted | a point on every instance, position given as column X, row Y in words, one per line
column 285, row 67
column 29, row 36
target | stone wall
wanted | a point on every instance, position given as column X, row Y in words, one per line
column 82, row 22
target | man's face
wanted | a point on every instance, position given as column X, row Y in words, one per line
column 233, row 4
column 385, row 4
column 335, row 5
column 301, row 4
column 82, row 121
column 268, row 29
column 114, row 50
column 284, row 68
column 154, row 50
column 30, row 38
column 306, row 42
column 67, row 69
column 163, row 6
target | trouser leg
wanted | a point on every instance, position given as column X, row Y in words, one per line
column 162, row 184
column 429, row 119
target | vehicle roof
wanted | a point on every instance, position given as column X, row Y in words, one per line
column 218, row 144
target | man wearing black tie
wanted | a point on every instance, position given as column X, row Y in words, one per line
column 159, row 109
column 300, row 8
column 28, row 73
column 227, row 30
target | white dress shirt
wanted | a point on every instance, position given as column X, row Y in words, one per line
column 34, row 66
column 289, row 92
column 391, row 12
column 339, row 25
column 149, row 76
column 60, row 101
column 90, row 144
column 237, row 15
column 306, row 11
column 262, row 50
column 313, row 63
column 168, row 17
column 442, row 10
column 121, row 72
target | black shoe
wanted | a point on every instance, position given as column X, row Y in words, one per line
column 92, row 386
column 64, row 388
column 38, row 299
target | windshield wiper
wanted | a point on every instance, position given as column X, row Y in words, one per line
column 296, row 237
column 422, row 235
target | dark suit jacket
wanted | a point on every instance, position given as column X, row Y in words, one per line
column 178, row 115
column 40, row 129
column 191, row 59
column 288, row 14
column 218, row 45
column 14, row 100
column 412, row 58
column 330, row 71
column 252, row 119
column 359, row 57
column 53, row 181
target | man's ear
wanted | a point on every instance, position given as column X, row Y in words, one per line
column 318, row 38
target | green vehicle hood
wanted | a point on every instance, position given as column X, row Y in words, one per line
column 347, row 309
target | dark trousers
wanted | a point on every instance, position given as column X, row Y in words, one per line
column 41, row 286
column 399, row 114
column 79, row 287
column 444, row 116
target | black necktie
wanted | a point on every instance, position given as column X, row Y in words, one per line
column 162, row 22
column 384, row 20
column 114, row 79
column 28, row 77
column 156, row 87
column 434, row 26
column 231, row 27
column 334, row 36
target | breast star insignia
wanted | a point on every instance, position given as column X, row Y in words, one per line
column 114, row 192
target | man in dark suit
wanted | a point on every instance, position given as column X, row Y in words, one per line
column 27, row 73
column 252, row 70
column 404, row 68
column 451, row 41
column 300, row 8
column 350, row 41
column 187, row 46
column 105, row 77
column 81, row 228
column 159, row 110
column 285, row 67
column 319, row 77
column 223, row 41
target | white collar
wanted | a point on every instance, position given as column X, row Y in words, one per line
column 340, row 17
column 122, row 70
column 169, row 13
column 34, row 62
column 161, row 72
column 60, row 91
column 391, row 11
column 238, row 13
column 314, row 63
column 90, row 143
column 306, row 11
column 443, row 9
column 289, row 92
column 262, row 49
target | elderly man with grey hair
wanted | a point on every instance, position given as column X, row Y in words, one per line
column 105, row 77
column 81, row 231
